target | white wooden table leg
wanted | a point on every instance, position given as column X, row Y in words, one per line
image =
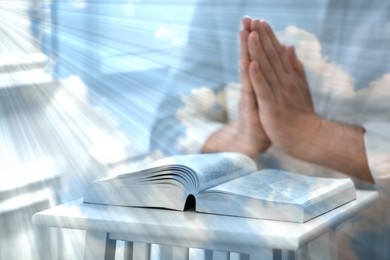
column 234, row 256
column 333, row 245
column 173, row 252
column 165, row 252
column 301, row 254
column 289, row 255
column 141, row 251
column 220, row 255
column 263, row 253
column 180, row 253
column 244, row 257
column 128, row 251
column 99, row 246
column 198, row 254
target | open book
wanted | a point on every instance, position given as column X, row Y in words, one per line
column 223, row 183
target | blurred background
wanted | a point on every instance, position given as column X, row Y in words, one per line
column 80, row 82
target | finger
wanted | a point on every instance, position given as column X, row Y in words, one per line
column 244, row 52
column 247, row 98
column 257, row 54
column 279, row 48
column 295, row 62
column 253, row 25
column 247, row 93
column 270, row 51
column 246, row 23
column 300, row 72
column 264, row 93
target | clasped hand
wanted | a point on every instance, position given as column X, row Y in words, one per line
column 275, row 103
column 276, row 107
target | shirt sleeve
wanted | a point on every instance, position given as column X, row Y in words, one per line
column 377, row 144
column 186, row 117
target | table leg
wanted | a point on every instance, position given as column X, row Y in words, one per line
column 128, row 250
column 301, row 253
column 264, row 253
column 165, row 252
column 180, row 253
column 220, row 255
column 99, row 246
column 279, row 254
column 244, row 257
column 197, row 253
column 141, row 251
column 333, row 245
column 238, row 256
column 208, row 254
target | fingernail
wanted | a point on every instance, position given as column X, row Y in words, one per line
column 293, row 50
column 266, row 26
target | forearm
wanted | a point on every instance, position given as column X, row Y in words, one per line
column 338, row 146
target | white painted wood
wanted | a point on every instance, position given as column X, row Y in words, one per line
column 333, row 245
column 99, row 246
column 128, row 250
column 141, row 251
column 288, row 255
column 235, row 256
column 303, row 253
column 262, row 253
column 244, row 257
column 195, row 230
column 220, row 255
column 165, row 252
column 180, row 253
column 196, row 254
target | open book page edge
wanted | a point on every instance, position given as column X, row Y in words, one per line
column 324, row 193
column 211, row 169
column 231, row 203
column 247, row 207
column 181, row 173
column 252, row 183
column 170, row 169
column 121, row 193
column 329, row 202
column 224, row 167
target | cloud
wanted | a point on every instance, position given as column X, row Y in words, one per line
column 202, row 111
column 98, row 131
column 332, row 87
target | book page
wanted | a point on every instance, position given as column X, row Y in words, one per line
column 213, row 168
column 280, row 186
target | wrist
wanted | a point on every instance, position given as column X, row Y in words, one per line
column 335, row 145
column 304, row 140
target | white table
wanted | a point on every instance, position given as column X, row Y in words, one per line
column 183, row 230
